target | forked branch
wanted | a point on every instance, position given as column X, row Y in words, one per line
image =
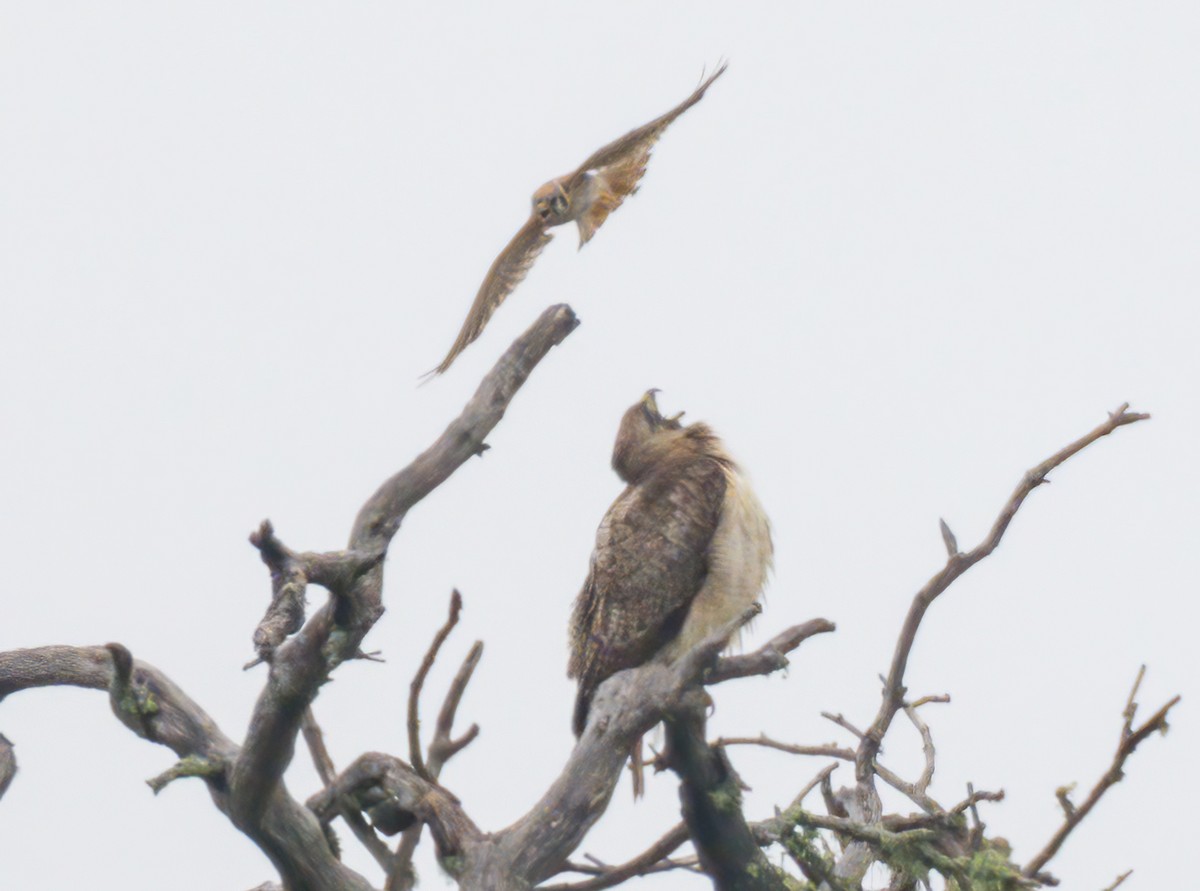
column 1130, row 739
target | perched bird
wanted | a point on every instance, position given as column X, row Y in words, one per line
column 587, row 195
column 683, row 550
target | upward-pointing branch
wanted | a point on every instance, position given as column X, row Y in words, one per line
column 302, row 663
column 857, row 857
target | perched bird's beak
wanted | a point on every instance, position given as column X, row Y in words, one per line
column 650, row 406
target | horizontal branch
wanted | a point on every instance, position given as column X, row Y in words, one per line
column 771, row 656
column 624, row 707
column 826, row 751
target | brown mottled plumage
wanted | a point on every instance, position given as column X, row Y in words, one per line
column 587, row 195
column 683, row 550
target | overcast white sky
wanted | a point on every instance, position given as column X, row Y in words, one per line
column 898, row 255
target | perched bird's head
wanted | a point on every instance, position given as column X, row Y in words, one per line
column 551, row 204
column 645, row 438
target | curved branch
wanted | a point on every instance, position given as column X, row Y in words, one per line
column 144, row 699
column 857, row 857
column 644, row 863
column 334, row 633
column 246, row 783
column 956, row 565
column 147, row 702
column 396, row 797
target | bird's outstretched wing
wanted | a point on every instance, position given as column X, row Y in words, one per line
column 620, row 165
column 506, row 273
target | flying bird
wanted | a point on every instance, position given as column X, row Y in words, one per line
column 587, row 196
column 684, row 550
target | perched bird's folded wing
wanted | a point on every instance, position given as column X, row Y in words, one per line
column 506, row 273
column 620, row 165
column 650, row 561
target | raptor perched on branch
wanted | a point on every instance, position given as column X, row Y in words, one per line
column 586, row 196
column 681, row 552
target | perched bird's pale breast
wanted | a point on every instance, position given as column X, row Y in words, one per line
column 739, row 558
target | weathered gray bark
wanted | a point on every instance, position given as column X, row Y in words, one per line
column 245, row 781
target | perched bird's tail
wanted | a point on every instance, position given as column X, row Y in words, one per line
column 637, row 769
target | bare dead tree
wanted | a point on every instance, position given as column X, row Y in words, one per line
column 380, row 795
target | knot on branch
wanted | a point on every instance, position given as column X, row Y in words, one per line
column 291, row 573
column 394, row 797
column 132, row 700
column 285, row 615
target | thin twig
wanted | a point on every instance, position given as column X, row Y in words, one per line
column 1120, row 880
column 816, row 781
column 927, row 749
column 857, row 856
column 315, row 740
column 1130, row 740
column 826, row 751
column 843, row 723
column 956, row 565
column 415, row 755
column 948, row 539
column 442, row 748
column 654, row 859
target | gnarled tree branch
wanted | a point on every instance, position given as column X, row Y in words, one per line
column 303, row 662
column 246, row 782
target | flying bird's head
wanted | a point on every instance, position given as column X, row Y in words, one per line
column 645, row 438
column 551, row 204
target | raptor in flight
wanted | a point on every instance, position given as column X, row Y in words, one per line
column 587, row 196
